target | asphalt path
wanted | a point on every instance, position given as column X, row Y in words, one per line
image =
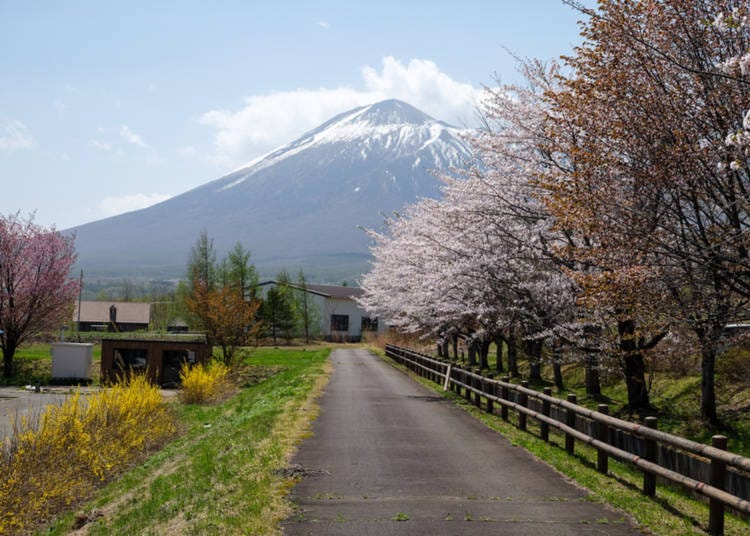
column 17, row 403
column 388, row 456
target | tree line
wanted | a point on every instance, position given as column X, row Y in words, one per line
column 222, row 298
column 606, row 218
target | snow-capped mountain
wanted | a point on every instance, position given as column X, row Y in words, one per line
column 300, row 205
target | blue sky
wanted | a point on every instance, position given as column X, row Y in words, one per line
column 109, row 106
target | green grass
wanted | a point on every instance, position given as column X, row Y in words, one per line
column 224, row 475
column 671, row 513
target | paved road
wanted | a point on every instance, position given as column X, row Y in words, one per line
column 17, row 403
column 388, row 456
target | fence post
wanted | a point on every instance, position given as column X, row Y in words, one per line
column 570, row 420
column 546, row 411
column 717, row 480
column 468, row 381
column 523, row 399
column 649, row 453
column 477, row 384
column 504, row 395
column 490, row 392
column 602, row 434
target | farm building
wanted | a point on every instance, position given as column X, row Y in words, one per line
column 160, row 359
column 340, row 316
column 112, row 316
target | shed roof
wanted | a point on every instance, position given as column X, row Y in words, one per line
column 127, row 312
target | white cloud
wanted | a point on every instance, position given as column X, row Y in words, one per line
column 14, row 135
column 266, row 122
column 131, row 137
column 111, row 206
column 323, row 24
column 101, row 145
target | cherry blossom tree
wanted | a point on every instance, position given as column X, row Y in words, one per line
column 658, row 193
column 476, row 262
column 36, row 292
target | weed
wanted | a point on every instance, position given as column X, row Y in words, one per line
column 400, row 516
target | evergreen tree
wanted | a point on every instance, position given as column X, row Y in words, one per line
column 308, row 313
column 278, row 313
column 240, row 272
column 202, row 266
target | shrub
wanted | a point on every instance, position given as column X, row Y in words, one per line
column 204, row 384
column 56, row 460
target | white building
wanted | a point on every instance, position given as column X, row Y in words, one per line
column 341, row 317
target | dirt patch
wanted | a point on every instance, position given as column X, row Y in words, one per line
column 297, row 471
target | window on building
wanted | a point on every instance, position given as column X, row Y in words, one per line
column 135, row 359
column 339, row 322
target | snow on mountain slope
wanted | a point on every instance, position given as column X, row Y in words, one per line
column 301, row 202
column 390, row 129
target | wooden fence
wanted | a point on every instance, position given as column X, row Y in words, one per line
column 708, row 470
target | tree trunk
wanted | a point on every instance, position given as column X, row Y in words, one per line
column 499, row 352
column 708, row 379
column 635, row 380
column 472, row 353
column 593, row 386
column 484, row 352
column 634, row 367
column 534, row 355
column 557, row 370
column 512, row 355
column 8, row 354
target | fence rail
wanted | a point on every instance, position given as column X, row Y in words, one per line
column 708, row 470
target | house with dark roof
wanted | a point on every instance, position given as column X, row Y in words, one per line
column 341, row 318
column 112, row 316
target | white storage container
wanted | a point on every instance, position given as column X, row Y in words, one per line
column 72, row 360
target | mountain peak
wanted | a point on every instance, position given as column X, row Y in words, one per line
column 392, row 112
column 300, row 205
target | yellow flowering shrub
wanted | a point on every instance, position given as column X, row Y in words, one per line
column 204, row 384
column 51, row 464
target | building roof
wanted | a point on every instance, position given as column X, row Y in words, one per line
column 127, row 312
column 337, row 291
column 327, row 291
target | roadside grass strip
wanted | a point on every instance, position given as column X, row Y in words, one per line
column 225, row 474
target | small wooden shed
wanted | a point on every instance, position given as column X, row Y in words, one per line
column 160, row 359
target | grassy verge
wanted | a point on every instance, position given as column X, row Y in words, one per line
column 224, row 475
column 671, row 513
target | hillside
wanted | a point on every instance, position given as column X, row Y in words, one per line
column 302, row 205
